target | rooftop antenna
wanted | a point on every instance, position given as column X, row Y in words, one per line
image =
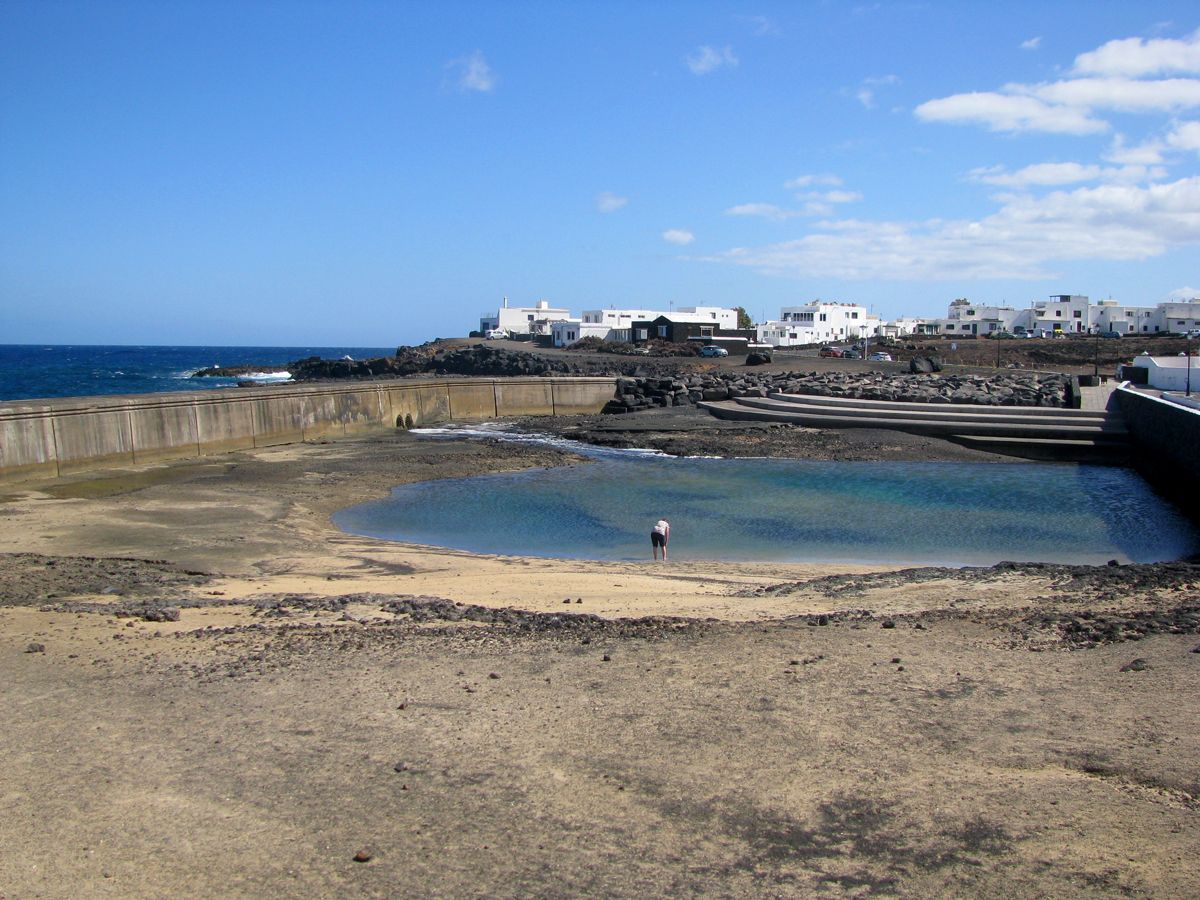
column 506, row 301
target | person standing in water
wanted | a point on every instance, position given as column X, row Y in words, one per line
column 660, row 534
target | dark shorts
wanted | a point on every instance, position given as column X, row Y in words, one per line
column 657, row 540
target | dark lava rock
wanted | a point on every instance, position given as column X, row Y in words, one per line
column 36, row 648
column 363, row 856
column 1136, row 665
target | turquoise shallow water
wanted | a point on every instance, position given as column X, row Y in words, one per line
column 791, row 510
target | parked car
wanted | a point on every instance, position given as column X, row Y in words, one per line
column 640, row 351
column 852, row 353
column 829, row 352
column 713, row 350
column 496, row 334
column 1110, row 334
column 880, row 356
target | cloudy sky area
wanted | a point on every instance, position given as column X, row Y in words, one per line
column 374, row 173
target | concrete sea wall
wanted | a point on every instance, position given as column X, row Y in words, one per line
column 1167, row 436
column 49, row 438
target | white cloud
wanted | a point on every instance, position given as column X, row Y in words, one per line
column 607, row 202
column 678, row 236
column 1185, row 136
column 1005, row 112
column 866, row 92
column 1183, row 294
column 762, row 26
column 1114, row 78
column 472, row 73
column 707, row 59
column 1038, row 174
column 838, row 197
column 1122, row 94
column 1021, row 240
column 763, row 210
column 1149, row 153
column 1032, row 44
column 804, row 181
column 1057, row 174
column 1135, row 57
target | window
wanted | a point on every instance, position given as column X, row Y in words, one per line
column 950, row 327
column 970, row 312
column 662, row 331
column 1058, row 314
column 642, row 333
column 854, row 315
column 1078, row 314
column 822, row 317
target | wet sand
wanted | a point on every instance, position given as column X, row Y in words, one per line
column 208, row 690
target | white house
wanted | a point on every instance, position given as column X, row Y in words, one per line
column 1109, row 315
column 524, row 319
column 1171, row 373
column 901, row 327
column 817, row 322
column 1180, row 318
column 1068, row 313
column 617, row 321
column 724, row 318
column 566, row 332
column 965, row 318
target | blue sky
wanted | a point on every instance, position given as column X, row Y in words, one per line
column 378, row 173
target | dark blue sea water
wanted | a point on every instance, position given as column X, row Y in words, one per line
column 934, row 513
column 35, row 371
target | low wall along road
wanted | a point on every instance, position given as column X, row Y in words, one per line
column 49, row 438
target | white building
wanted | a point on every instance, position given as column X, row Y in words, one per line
column 1179, row 318
column 724, row 318
column 566, row 332
column 1171, row 373
column 1067, row 313
column 1109, row 315
column 901, row 327
column 965, row 318
column 524, row 319
column 617, row 321
column 817, row 322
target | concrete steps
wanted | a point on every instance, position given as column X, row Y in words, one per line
column 1026, row 431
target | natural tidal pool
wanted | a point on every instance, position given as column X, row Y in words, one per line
column 934, row 513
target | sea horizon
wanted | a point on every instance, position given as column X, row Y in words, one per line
column 44, row 371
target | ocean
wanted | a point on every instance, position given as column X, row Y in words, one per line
column 41, row 371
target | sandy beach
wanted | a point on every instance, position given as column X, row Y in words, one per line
column 209, row 690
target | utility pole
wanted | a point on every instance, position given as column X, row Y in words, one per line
column 1188, row 359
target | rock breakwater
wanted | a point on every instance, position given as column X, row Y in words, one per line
column 997, row 390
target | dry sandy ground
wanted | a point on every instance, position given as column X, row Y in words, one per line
column 760, row 730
